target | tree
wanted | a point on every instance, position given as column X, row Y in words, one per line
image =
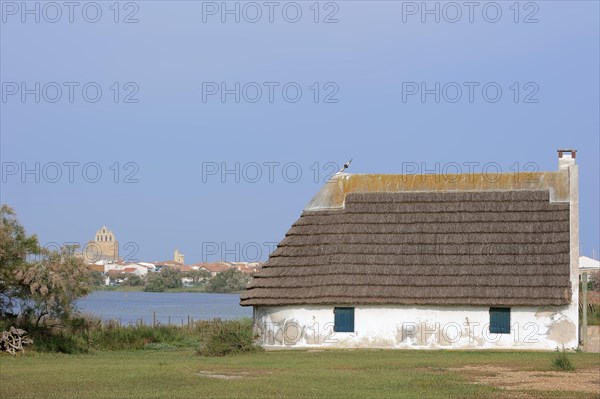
column 133, row 280
column 172, row 277
column 231, row 280
column 54, row 282
column 166, row 278
column 41, row 282
column 197, row 276
column 97, row 278
column 15, row 248
column 154, row 283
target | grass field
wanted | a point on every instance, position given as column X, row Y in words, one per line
column 295, row 374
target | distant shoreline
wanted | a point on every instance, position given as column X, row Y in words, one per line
column 200, row 290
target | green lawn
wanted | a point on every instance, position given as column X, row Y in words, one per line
column 278, row 374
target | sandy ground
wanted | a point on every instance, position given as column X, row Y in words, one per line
column 587, row 381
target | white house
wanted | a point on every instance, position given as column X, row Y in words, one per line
column 149, row 266
column 588, row 265
column 136, row 269
column 133, row 268
column 427, row 261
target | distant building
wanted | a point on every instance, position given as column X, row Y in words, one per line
column 169, row 263
column 178, row 257
column 104, row 247
column 247, row 267
column 213, row 268
column 97, row 268
column 587, row 265
column 147, row 265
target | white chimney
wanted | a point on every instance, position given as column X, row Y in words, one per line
column 566, row 158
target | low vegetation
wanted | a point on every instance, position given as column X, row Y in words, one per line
column 562, row 361
column 593, row 281
column 84, row 335
column 593, row 315
column 230, row 338
column 593, row 308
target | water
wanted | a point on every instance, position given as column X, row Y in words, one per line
column 130, row 307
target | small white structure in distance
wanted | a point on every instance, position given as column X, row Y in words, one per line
column 587, row 265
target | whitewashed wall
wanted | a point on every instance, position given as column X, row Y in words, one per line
column 418, row 327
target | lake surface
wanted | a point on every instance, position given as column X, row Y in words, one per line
column 130, row 307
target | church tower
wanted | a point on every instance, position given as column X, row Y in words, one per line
column 178, row 257
column 104, row 246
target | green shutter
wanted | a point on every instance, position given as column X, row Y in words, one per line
column 344, row 320
column 500, row 320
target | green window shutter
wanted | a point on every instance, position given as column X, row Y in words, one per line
column 500, row 320
column 344, row 320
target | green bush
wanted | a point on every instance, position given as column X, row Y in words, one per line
column 229, row 338
column 562, row 361
column 60, row 342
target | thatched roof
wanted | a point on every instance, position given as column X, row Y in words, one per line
column 435, row 248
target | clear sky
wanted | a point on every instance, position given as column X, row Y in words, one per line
column 170, row 96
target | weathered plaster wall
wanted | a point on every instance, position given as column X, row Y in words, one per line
column 417, row 327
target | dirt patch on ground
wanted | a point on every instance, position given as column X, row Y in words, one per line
column 220, row 376
column 230, row 375
column 586, row 380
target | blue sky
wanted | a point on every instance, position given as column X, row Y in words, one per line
column 159, row 122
